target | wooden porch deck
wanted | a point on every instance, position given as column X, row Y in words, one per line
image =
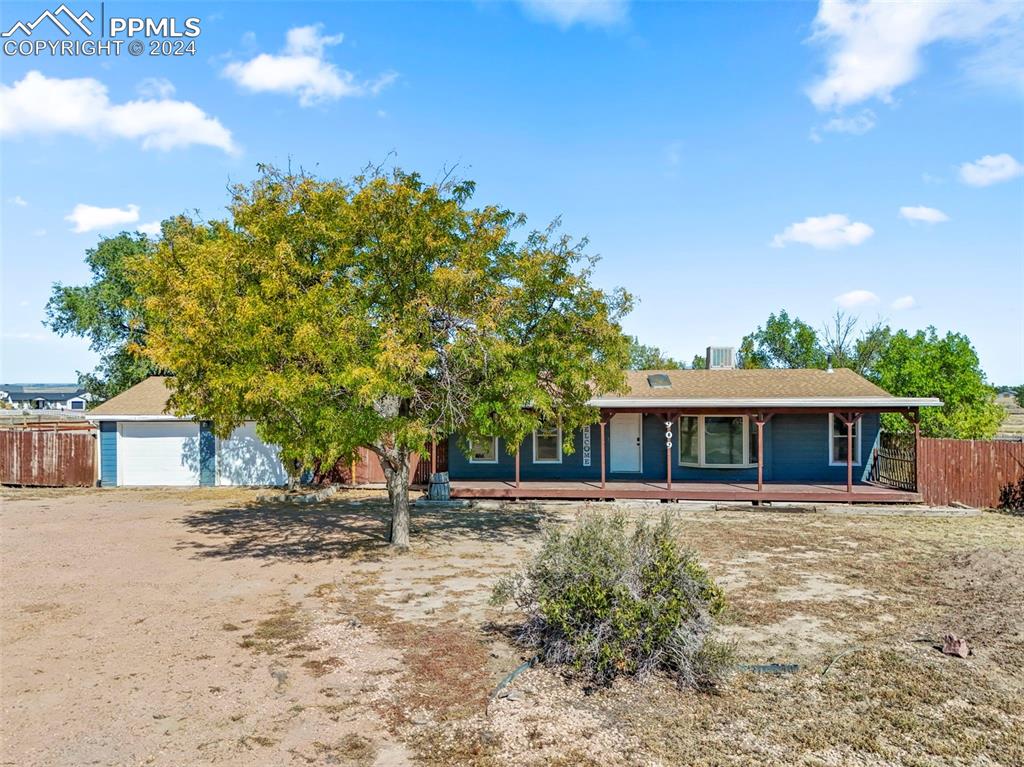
column 810, row 492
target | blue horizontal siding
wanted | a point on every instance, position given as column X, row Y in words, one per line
column 108, row 453
column 796, row 448
column 800, row 448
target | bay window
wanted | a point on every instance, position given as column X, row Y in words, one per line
column 717, row 441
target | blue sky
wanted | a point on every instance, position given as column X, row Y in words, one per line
column 725, row 160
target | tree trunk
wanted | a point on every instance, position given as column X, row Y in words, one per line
column 395, row 463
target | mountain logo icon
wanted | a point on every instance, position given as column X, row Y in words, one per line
column 55, row 17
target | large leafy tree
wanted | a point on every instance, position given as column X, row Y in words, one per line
column 783, row 342
column 926, row 364
column 102, row 312
column 646, row 357
column 382, row 312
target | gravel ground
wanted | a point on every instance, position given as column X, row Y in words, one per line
column 205, row 626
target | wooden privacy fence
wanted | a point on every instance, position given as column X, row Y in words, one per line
column 972, row 472
column 48, row 458
column 366, row 470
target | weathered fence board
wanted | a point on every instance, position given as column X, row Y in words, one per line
column 47, row 458
column 366, row 469
column 972, row 472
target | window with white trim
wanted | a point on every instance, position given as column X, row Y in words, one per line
column 837, row 441
column 483, row 450
column 716, row 441
column 547, row 444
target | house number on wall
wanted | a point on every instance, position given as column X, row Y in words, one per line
column 668, row 434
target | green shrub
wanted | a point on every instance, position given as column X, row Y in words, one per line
column 611, row 603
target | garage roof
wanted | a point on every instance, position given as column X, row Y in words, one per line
column 148, row 397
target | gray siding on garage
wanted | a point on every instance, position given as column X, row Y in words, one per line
column 795, row 449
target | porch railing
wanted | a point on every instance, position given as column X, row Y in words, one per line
column 894, row 462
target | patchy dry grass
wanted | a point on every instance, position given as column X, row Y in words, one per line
column 392, row 658
column 807, row 589
column 285, row 626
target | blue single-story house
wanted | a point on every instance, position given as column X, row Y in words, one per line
column 720, row 432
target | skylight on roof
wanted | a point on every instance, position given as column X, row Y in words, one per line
column 658, row 381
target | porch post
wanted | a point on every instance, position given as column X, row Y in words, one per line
column 760, row 452
column 601, row 424
column 517, row 466
column 849, row 419
column 668, row 450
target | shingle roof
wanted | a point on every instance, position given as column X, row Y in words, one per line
column 805, row 386
column 148, row 397
column 749, row 384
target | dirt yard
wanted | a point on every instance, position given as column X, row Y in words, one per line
column 205, row 627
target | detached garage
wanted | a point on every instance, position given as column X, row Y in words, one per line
column 141, row 445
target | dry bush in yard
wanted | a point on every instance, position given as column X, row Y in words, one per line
column 611, row 603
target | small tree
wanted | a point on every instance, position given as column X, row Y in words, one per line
column 384, row 313
column 927, row 365
column 782, row 343
column 102, row 312
column 644, row 357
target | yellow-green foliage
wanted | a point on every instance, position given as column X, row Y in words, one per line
column 380, row 312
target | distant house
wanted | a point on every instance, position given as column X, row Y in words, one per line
column 44, row 396
column 141, row 444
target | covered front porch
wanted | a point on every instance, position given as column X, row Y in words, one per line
column 765, row 492
column 819, row 452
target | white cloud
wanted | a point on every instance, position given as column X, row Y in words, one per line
column 301, row 69
column 875, row 46
column 904, row 302
column 87, row 218
column 832, row 231
column 18, row 200
column 857, row 124
column 155, row 88
column 566, row 13
column 855, row 298
column 990, row 169
column 152, row 228
column 923, row 213
column 81, row 106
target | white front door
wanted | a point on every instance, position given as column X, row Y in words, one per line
column 625, row 442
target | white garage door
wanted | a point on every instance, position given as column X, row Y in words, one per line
column 158, row 453
column 245, row 459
